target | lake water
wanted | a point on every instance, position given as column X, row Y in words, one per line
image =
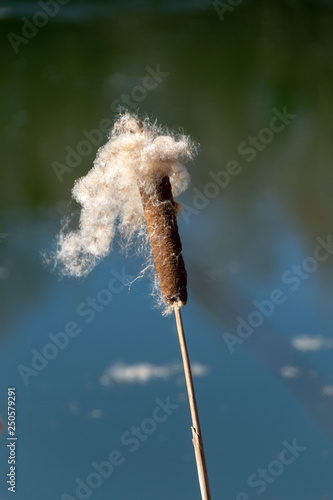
column 92, row 365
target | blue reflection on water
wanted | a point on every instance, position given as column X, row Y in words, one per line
column 67, row 419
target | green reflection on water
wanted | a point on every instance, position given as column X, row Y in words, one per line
column 224, row 79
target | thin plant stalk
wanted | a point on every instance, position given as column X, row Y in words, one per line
column 196, row 430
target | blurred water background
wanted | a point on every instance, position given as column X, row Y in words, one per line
column 252, row 218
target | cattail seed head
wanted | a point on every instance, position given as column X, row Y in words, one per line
column 161, row 216
column 130, row 189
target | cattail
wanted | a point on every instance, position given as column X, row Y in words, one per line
column 131, row 189
column 161, row 216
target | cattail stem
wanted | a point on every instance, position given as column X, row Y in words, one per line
column 196, row 430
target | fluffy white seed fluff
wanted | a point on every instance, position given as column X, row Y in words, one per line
column 135, row 152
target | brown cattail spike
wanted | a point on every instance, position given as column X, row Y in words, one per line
column 161, row 214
